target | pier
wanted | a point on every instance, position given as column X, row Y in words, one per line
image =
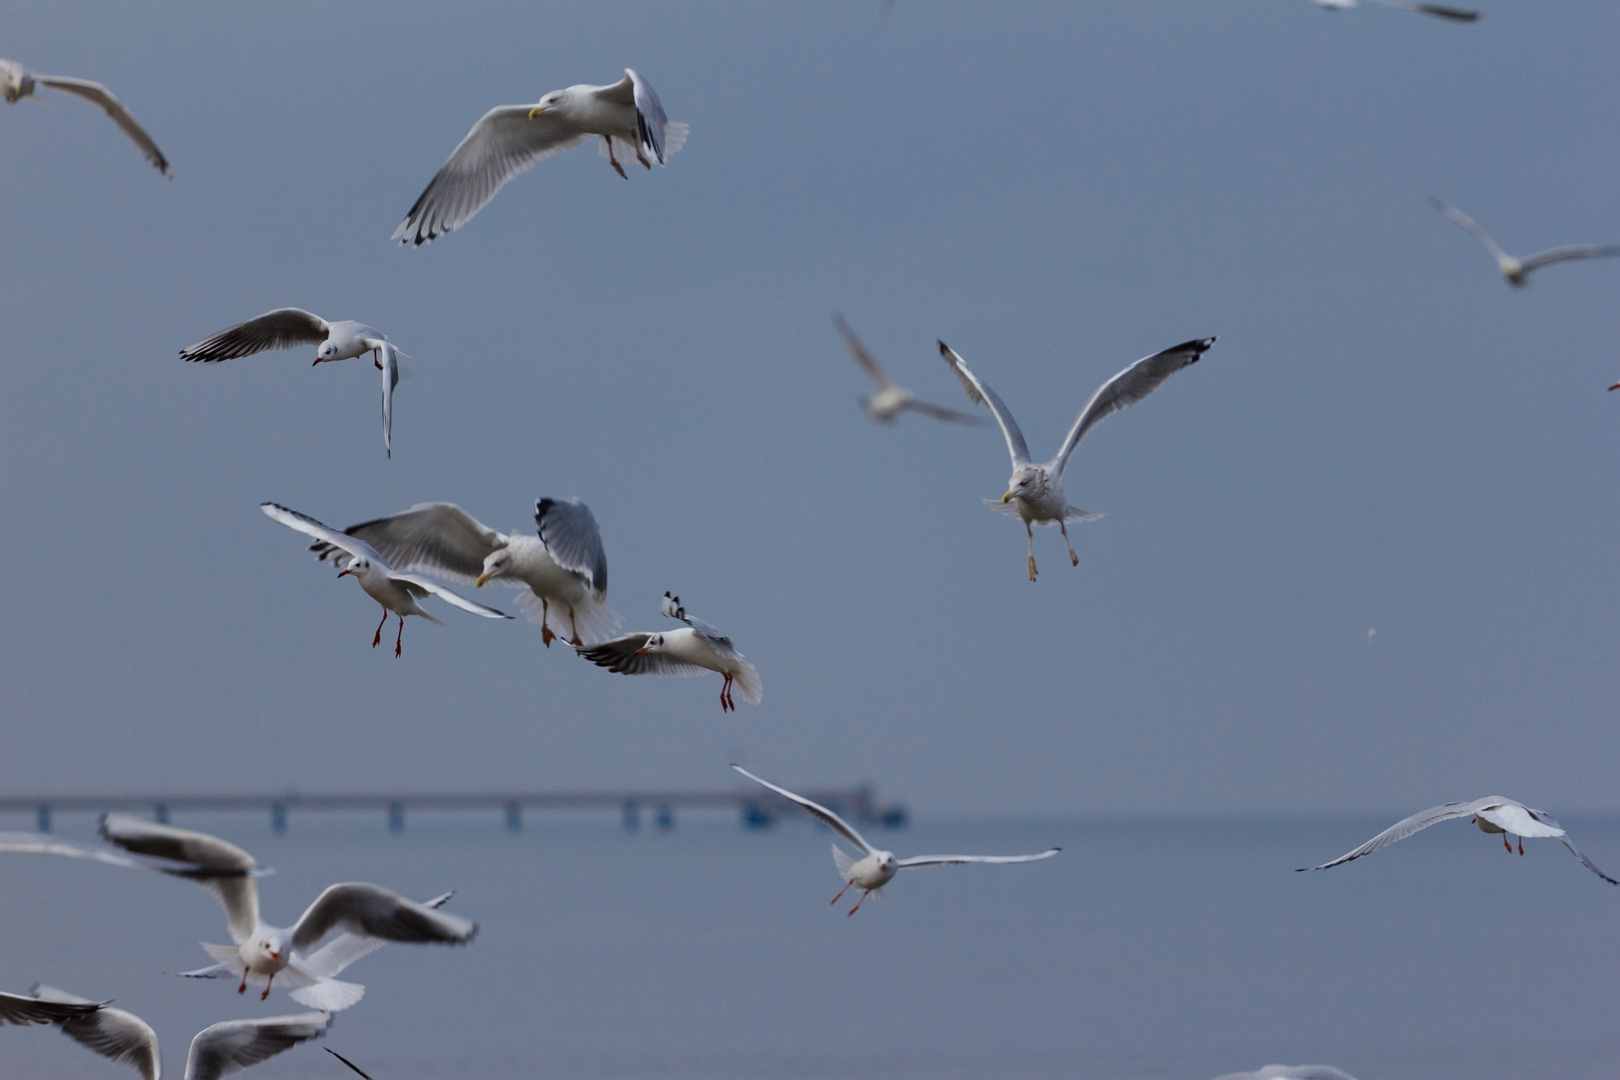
column 755, row 808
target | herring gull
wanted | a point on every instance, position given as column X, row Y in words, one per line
column 17, row 82
column 1516, row 271
column 890, row 400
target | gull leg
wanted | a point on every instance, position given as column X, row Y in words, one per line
column 725, row 695
column 1506, row 845
column 611, row 159
column 1029, row 532
column 376, row 638
column 573, row 623
column 841, row 892
column 399, row 638
column 1521, row 845
column 267, row 983
column 1074, row 560
column 545, row 629
column 243, row 988
column 864, row 894
column 645, row 164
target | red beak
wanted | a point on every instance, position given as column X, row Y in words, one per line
column 640, row 651
column 345, row 572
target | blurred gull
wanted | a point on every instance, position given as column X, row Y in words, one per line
column 287, row 328
column 876, row 868
column 1291, row 1072
column 511, row 139
column 564, row 564
column 1439, row 12
column 1492, row 814
column 890, row 401
column 1035, row 492
column 690, row 651
column 1516, row 272
column 397, row 593
column 17, row 82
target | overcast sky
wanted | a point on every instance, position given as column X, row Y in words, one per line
column 1385, row 436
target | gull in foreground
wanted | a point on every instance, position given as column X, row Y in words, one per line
column 17, row 82
column 890, row 401
column 510, row 139
column 1515, row 271
column 290, row 327
column 1291, row 1072
column 1492, row 814
column 370, row 916
column 876, row 868
column 397, row 593
column 125, row 1039
column 1035, row 492
column 1440, row 12
column 690, row 651
column 563, row 565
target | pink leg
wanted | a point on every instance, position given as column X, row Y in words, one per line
column 573, row 623
column 613, row 160
column 376, row 638
column 399, row 638
column 645, row 164
column 835, row 900
column 864, row 894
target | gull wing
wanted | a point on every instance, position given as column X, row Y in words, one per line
column 1437, row 10
column 373, row 911
column 347, row 1062
column 1126, row 389
column 862, row 356
column 218, row 866
column 1567, row 253
column 307, row 525
column 1407, row 826
column 390, row 374
column 102, row 98
column 1471, row 227
column 568, row 529
column 1552, row 828
column 431, row 538
column 119, row 1036
column 21, row 1010
column 35, row 844
column 283, row 328
column 623, row 655
column 940, row 412
column 330, row 959
column 980, row 393
column 235, row 1044
column 449, row 597
column 959, row 860
column 650, row 119
column 721, row 643
column 839, row 825
column 503, row 143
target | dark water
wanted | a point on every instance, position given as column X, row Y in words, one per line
column 1147, row 949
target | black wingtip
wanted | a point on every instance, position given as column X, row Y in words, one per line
column 345, row 1061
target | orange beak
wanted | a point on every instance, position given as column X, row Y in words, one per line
column 276, row 956
column 346, row 571
column 640, row 651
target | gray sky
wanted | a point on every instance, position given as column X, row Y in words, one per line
column 1384, row 436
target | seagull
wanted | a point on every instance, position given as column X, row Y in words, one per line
column 370, row 916
column 1439, row 12
column 17, row 82
column 564, row 565
column 510, row 139
column 1035, row 492
column 1291, row 1072
column 877, row 868
column 1516, row 272
column 350, row 1064
column 890, row 401
column 125, row 1039
column 1493, row 814
column 397, row 593
column 692, row 651
column 289, row 327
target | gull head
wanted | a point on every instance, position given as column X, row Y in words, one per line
column 268, row 950
column 653, row 644
column 327, row 352
column 16, row 81
column 1026, row 483
column 1512, row 271
column 357, row 566
column 557, row 99
column 496, row 564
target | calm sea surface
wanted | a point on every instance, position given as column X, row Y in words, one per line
column 1175, row 949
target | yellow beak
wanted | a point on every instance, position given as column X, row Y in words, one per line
column 536, row 111
column 481, row 579
column 1007, row 497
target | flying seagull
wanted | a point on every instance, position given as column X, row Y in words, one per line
column 890, row 401
column 564, row 564
column 876, row 868
column 1035, row 492
column 397, row 593
column 290, row 327
column 1516, row 272
column 511, row 139
column 693, row 650
column 1291, row 1072
column 125, row 1039
column 1493, row 814
column 17, row 82
column 1438, row 11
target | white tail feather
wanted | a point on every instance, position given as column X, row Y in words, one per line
column 329, row 995
column 594, row 620
column 843, row 860
column 748, row 682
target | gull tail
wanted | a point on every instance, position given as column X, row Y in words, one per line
column 1074, row 513
column 843, row 860
column 747, row 679
column 328, row 995
column 594, row 620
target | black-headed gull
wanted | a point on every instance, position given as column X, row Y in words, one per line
column 511, row 139
column 1439, row 11
column 693, row 650
column 1035, row 492
column 890, row 400
column 397, row 593
column 288, row 328
column 17, row 82
column 1516, row 271
column 876, row 868
column 563, row 564
column 1493, row 814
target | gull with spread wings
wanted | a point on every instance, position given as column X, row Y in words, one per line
column 1035, row 492
column 890, row 400
column 876, row 868
column 17, row 82
column 1493, row 814
column 1439, row 11
column 564, row 564
column 692, row 650
column 397, row 593
column 510, row 139
column 1516, row 271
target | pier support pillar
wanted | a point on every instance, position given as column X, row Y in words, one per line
column 756, row 815
column 44, row 817
column 396, row 817
column 278, row 818
column 666, row 817
column 632, row 815
column 160, row 813
column 514, row 816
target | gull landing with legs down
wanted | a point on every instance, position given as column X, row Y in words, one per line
column 876, row 868
column 692, row 650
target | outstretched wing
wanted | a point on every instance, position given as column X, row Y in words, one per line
column 650, row 119
column 1557, row 830
column 102, row 98
column 283, row 328
column 119, row 1036
column 623, row 655
column 234, row 1045
column 959, row 860
column 839, row 825
column 449, row 597
column 21, row 1010
column 862, row 356
column 1568, row 253
column 390, row 374
column 940, row 412
column 1126, row 389
column 980, row 393
column 503, row 143
column 1439, row 11
column 225, row 869
column 1407, row 826
column 568, row 529
column 373, row 911
column 325, row 533
column 1470, row 226
column 330, row 959
column 430, row 538
column 347, row 1062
